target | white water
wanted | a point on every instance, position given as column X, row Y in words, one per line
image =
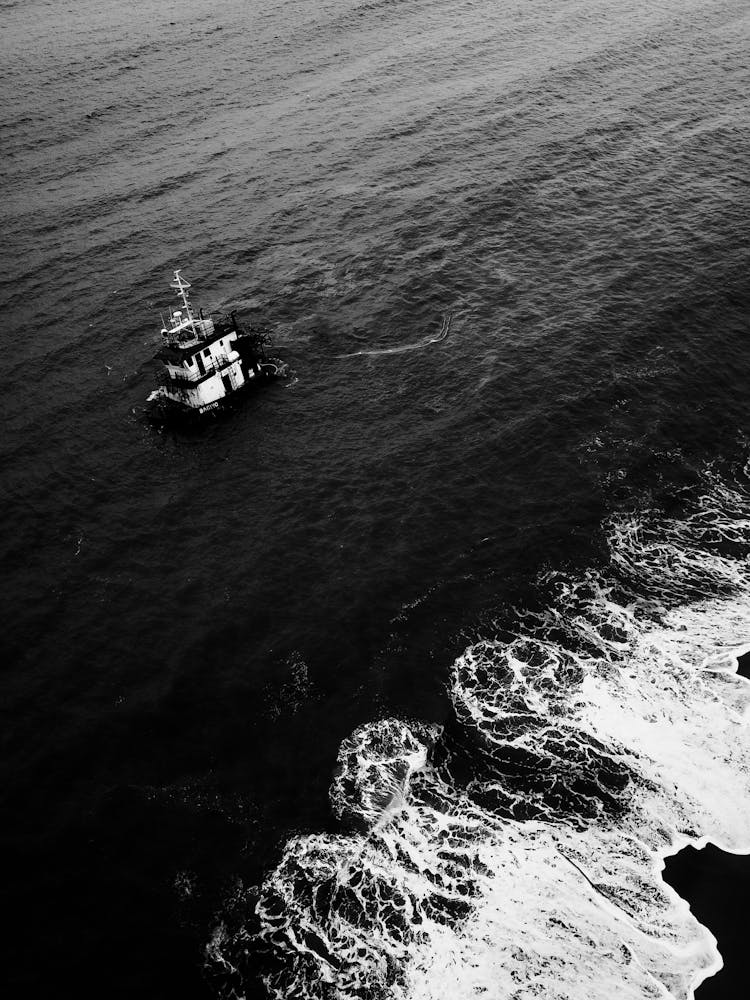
column 374, row 352
column 610, row 732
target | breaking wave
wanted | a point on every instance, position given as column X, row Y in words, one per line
column 517, row 852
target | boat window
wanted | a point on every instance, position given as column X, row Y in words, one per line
column 206, row 352
column 188, row 362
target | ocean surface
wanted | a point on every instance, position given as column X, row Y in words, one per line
column 401, row 681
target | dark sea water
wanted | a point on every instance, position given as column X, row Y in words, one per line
column 491, row 586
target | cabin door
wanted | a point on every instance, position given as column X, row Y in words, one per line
column 201, row 366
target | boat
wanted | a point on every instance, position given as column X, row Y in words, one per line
column 206, row 362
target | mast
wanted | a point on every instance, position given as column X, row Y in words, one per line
column 181, row 286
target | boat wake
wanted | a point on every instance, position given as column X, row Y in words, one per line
column 518, row 850
column 404, row 348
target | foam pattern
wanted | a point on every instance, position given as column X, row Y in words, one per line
column 518, row 853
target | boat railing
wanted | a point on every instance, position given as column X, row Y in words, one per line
column 188, row 331
column 187, row 379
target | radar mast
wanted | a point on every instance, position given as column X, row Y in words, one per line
column 181, row 286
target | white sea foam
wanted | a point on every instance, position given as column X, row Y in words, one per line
column 438, row 338
column 520, row 856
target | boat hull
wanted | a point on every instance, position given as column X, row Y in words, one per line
column 164, row 409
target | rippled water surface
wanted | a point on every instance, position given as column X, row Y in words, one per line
column 411, row 671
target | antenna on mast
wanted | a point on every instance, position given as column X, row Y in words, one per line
column 181, row 286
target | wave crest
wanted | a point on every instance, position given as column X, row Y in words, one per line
column 518, row 852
